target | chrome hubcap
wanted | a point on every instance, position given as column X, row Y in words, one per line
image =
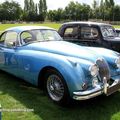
column 55, row 87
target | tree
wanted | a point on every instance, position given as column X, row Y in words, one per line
column 26, row 5
column 116, row 11
column 10, row 11
column 105, row 10
column 73, row 11
column 41, row 17
column 30, row 11
column 95, row 4
column 95, row 13
column 109, row 5
column 42, row 9
column 55, row 15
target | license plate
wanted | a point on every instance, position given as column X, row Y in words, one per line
column 113, row 89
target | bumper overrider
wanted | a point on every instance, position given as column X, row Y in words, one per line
column 98, row 90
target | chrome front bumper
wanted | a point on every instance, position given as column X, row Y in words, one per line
column 98, row 90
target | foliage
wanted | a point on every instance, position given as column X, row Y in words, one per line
column 105, row 10
column 31, row 10
column 74, row 11
column 10, row 11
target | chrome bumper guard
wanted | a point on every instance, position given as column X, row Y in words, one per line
column 98, row 90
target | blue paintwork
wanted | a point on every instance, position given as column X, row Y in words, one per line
column 28, row 60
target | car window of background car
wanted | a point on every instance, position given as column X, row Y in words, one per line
column 10, row 38
column 71, row 32
column 89, row 33
column 108, row 31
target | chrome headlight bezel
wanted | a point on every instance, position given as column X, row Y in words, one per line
column 117, row 62
column 94, row 70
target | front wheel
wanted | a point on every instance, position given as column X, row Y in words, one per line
column 56, row 87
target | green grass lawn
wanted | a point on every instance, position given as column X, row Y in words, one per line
column 117, row 26
column 5, row 26
column 17, row 94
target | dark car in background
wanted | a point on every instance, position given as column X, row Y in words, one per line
column 90, row 34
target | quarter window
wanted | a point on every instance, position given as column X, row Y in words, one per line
column 10, row 38
column 71, row 32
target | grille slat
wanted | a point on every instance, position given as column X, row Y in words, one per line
column 104, row 70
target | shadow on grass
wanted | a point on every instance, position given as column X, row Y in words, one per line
column 99, row 108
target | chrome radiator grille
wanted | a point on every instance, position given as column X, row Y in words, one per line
column 104, row 70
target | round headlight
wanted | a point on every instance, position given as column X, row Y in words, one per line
column 117, row 62
column 94, row 70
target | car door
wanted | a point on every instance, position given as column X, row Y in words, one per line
column 8, row 50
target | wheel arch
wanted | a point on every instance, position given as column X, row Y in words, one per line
column 71, row 74
column 42, row 73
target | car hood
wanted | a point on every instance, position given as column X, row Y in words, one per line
column 109, row 55
column 104, row 52
column 65, row 49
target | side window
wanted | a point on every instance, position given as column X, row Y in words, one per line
column 71, row 32
column 89, row 33
column 38, row 35
column 26, row 37
column 10, row 39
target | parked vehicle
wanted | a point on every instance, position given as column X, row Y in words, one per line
column 40, row 56
column 90, row 34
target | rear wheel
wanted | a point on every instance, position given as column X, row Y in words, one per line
column 56, row 87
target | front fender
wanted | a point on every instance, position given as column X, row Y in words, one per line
column 74, row 75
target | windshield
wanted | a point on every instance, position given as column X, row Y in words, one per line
column 118, row 32
column 39, row 36
column 108, row 31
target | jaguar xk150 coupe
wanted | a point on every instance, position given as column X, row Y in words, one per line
column 40, row 56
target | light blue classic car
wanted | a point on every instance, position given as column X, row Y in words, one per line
column 40, row 56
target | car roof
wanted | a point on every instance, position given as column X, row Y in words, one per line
column 87, row 22
column 25, row 28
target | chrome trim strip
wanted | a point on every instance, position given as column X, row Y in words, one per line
column 87, row 92
column 87, row 97
column 98, row 90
